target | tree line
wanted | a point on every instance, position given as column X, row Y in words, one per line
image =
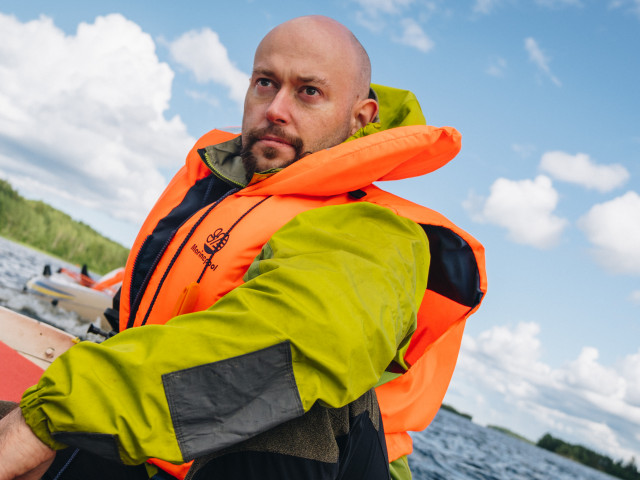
column 38, row 225
column 588, row 457
column 451, row 409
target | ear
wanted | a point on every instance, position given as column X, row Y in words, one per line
column 364, row 112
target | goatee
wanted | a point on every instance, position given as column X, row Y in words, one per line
column 249, row 140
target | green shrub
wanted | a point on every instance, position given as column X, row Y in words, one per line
column 41, row 226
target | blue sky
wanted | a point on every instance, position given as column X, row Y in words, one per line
column 100, row 101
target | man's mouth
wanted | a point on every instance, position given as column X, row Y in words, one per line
column 270, row 139
column 274, row 140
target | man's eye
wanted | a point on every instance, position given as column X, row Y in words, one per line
column 263, row 82
column 311, row 91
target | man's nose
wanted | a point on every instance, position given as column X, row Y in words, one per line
column 279, row 111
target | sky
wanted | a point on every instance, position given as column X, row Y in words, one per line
column 101, row 101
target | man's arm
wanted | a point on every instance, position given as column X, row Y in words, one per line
column 321, row 315
column 22, row 455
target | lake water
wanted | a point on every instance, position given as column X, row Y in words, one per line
column 452, row 448
column 17, row 265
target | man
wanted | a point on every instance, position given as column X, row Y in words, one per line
column 270, row 290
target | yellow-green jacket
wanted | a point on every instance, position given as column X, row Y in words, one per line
column 245, row 305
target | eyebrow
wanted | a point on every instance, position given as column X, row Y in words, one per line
column 313, row 79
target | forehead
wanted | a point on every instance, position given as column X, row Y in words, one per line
column 305, row 55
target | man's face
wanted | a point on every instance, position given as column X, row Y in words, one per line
column 300, row 100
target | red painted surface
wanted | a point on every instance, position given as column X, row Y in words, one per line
column 16, row 374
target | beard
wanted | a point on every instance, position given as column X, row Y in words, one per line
column 249, row 159
column 252, row 162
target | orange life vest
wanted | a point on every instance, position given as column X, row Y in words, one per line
column 215, row 246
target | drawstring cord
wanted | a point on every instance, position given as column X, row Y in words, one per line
column 226, row 236
column 186, row 240
column 66, row 465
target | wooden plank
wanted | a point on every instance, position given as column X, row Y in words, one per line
column 37, row 341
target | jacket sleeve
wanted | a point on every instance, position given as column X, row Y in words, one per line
column 322, row 313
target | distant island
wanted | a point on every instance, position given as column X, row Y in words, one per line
column 577, row 453
column 449, row 408
column 38, row 225
column 590, row 458
column 506, row 431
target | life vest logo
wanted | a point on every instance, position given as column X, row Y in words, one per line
column 214, row 243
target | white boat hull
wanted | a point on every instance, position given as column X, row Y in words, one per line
column 89, row 304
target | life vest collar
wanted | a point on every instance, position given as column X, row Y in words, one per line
column 394, row 154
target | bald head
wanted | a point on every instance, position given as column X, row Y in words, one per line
column 309, row 91
column 335, row 39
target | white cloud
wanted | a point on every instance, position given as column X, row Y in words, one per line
column 586, row 373
column 582, row 402
column 372, row 22
column 82, row 116
column 582, row 170
column 485, row 6
column 203, row 97
column 202, row 53
column 630, row 371
column 413, row 35
column 635, row 297
column 633, row 6
column 524, row 150
column 613, row 227
column 384, row 6
column 497, row 66
column 559, row 3
column 525, row 208
column 540, row 59
column 512, row 348
column 391, row 17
